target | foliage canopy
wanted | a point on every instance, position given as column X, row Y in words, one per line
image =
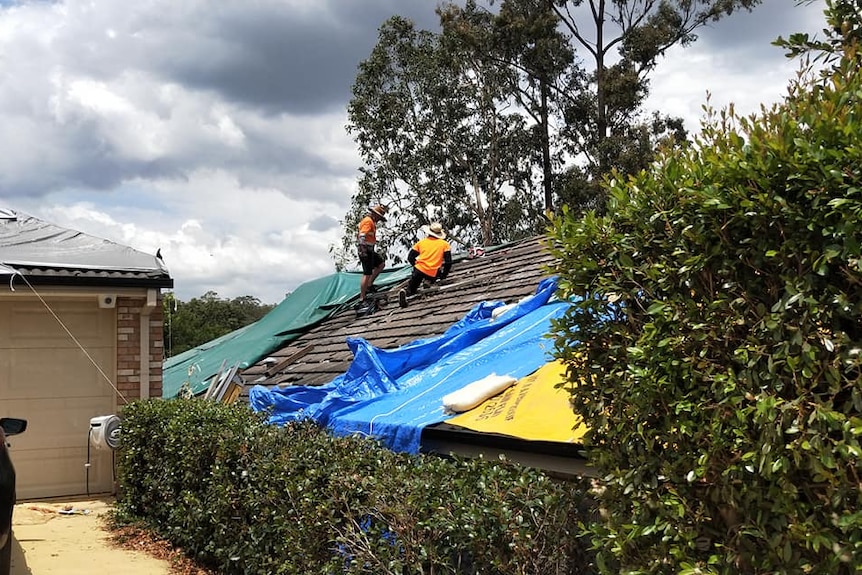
column 512, row 109
column 205, row 318
column 431, row 123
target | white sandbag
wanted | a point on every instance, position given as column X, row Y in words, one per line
column 475, row 393
column 498, row 311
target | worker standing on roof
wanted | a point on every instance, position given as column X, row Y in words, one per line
column 431, row 259
column 372, row 262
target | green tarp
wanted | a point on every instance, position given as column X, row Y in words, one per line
column 309, row 304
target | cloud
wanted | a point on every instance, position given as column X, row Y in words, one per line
column 214, row 131
column 733, row 62
column 261, row 240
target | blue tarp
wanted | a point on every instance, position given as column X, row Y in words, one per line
column 393, row 394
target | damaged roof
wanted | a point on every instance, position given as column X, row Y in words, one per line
column 506, row 274
column 48, row 254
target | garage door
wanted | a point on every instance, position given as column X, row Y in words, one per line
column 47, row 379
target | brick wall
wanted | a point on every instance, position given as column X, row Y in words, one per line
column 129, row 346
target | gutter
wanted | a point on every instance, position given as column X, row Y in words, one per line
column 566, row 459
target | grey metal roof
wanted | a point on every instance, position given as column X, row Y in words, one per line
column 49, row 254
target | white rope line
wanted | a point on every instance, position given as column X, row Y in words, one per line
column 66, row 329
column 456, row 370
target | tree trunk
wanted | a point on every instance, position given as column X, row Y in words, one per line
column 601, row 118
column 546, row 147
column 484, row 216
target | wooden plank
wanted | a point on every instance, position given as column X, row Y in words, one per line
column 224, row 384
column 215, row 381
column 233, row 390
column 288, row 360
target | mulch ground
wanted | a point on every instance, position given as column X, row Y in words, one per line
column 137, row 539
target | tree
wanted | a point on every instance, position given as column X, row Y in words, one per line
column 525, row 38
column 624, row 39
column 714, row 351
column 844, row 21
column 190, row 324
column 439, row 139
column 457, row 126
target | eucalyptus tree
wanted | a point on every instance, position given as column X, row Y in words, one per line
column 460, row 125
column 624, row 39
column 524, row 36
column 441, row 138
column 595, row 101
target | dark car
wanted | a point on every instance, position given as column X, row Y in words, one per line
column 8, row 426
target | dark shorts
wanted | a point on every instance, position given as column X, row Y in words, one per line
column 416, row 279
column 370, row 262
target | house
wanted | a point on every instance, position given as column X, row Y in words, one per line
column 320, row 355
column 80, row 336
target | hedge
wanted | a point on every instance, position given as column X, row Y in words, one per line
column 242, row 496
column 715, row 350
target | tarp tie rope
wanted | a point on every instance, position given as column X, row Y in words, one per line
column 456, row 370
column 66, row 329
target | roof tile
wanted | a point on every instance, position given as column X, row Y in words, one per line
column 505, row 274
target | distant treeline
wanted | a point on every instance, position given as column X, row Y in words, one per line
column 202, row 319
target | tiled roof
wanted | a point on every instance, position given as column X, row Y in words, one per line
column 318, row 356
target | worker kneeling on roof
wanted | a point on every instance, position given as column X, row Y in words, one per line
column 430, row 257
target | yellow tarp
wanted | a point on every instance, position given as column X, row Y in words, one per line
column 531, row 409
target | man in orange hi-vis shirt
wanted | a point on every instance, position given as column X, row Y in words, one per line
column 431, row 259
column 366, row 239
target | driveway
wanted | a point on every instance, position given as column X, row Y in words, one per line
column 67, row 537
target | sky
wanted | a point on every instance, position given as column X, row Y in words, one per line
column 214, row 131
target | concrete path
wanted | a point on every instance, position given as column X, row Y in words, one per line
column 67, row 538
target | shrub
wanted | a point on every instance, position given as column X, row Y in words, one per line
column 246, row 497
column 717, row 343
